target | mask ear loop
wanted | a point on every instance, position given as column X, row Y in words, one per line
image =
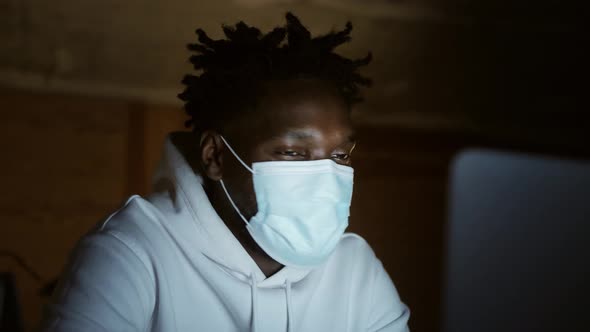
column 223, row 184
column 236, row 155
column 232, row 202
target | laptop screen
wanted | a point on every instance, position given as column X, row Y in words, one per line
column 517, row 243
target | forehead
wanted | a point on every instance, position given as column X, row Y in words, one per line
column 303, row 109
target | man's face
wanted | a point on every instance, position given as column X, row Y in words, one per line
column 296, row 120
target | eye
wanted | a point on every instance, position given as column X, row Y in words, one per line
column 341, row 156
column 291, row 153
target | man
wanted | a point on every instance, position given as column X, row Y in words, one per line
column 245, row 228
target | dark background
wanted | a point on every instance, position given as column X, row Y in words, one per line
column 87, row 94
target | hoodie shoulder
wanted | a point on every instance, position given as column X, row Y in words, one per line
column 353, row 253
column 374, row 288
column 135, row 213
column 135, row 224
column 355, row 245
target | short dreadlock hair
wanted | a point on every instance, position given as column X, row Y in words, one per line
column 237, row 66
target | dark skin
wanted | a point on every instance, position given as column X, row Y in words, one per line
column 295, row 120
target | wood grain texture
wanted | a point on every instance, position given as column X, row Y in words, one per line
column 62, row 170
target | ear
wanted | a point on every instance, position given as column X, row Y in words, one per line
column 211, row 157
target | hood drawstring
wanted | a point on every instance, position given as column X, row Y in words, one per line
column 254, row 288
column 290, row 327
column 254, row 285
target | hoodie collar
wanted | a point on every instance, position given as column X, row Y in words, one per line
column 211, row 236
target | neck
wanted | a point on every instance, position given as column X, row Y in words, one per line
column 236, row 225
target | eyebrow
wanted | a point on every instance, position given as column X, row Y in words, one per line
column 310, row 133
column 300, row 133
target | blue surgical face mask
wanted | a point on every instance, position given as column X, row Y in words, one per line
column 303, row 208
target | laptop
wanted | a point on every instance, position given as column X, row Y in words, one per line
column 518, row 244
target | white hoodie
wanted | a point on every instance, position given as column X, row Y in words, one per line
column 168, row 263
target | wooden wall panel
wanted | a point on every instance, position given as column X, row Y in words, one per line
column 399, row 207
column 62, row 170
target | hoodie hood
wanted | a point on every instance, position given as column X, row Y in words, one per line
column 205, row 231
